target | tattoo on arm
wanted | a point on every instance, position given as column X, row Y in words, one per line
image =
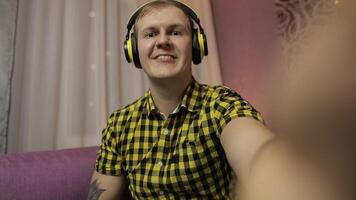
column 94, row 191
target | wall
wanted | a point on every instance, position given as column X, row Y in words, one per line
column 247, row 39
column 7, row 29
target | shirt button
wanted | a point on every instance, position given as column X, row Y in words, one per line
column 166, row 132
column 160, row 163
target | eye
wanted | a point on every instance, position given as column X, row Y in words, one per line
column 176, row 33
column 150, row 34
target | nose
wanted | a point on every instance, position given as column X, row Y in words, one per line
column 163, row 41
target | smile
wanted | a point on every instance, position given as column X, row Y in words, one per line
column 165, row 58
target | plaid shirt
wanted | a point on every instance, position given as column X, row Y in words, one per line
column 179, row 157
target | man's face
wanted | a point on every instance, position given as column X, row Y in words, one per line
column 165, row 43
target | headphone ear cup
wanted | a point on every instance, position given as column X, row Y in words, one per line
column 196, row 48
column 135, row 55
column 128, row 50
column 205, row 44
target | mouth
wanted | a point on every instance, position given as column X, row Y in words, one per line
column 165, row 57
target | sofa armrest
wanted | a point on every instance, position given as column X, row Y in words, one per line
column 48, row 175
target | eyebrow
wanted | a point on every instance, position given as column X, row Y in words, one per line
column 171, row 26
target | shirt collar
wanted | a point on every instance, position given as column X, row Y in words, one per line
column 150, row 105
column 192, row 97
column 191, row 100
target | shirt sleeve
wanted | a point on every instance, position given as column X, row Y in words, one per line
column 230, row 105
column 109, row 159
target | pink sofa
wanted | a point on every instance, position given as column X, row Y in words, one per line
column 47, row 175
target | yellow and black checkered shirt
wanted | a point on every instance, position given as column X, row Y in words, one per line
column 179, row 157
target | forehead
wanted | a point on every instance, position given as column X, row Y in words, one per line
column 162, row 16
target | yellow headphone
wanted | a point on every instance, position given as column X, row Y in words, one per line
column 200, row 46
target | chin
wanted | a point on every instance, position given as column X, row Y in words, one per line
column 163, row 71
column 163, row 76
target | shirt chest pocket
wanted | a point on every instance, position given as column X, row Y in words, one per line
column 194, row 160
column 188, row 152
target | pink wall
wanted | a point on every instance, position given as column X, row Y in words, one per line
column 247, row 38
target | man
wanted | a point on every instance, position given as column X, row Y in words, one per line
column 181, row 139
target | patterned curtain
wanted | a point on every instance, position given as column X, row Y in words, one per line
column 295, row 19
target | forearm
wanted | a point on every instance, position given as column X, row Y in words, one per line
column 105, row 187
column 279, row 172
column 95, row 191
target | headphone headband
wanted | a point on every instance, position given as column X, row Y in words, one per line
column 186, row 9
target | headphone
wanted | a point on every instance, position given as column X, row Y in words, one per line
column 200, row 46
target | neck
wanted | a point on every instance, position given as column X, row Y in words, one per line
column 167, row 94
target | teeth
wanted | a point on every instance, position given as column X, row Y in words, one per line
column 165, row 58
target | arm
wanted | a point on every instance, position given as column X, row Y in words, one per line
column 268, row 168
column 106, row 187
column 241, row 139
column 108, row 180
